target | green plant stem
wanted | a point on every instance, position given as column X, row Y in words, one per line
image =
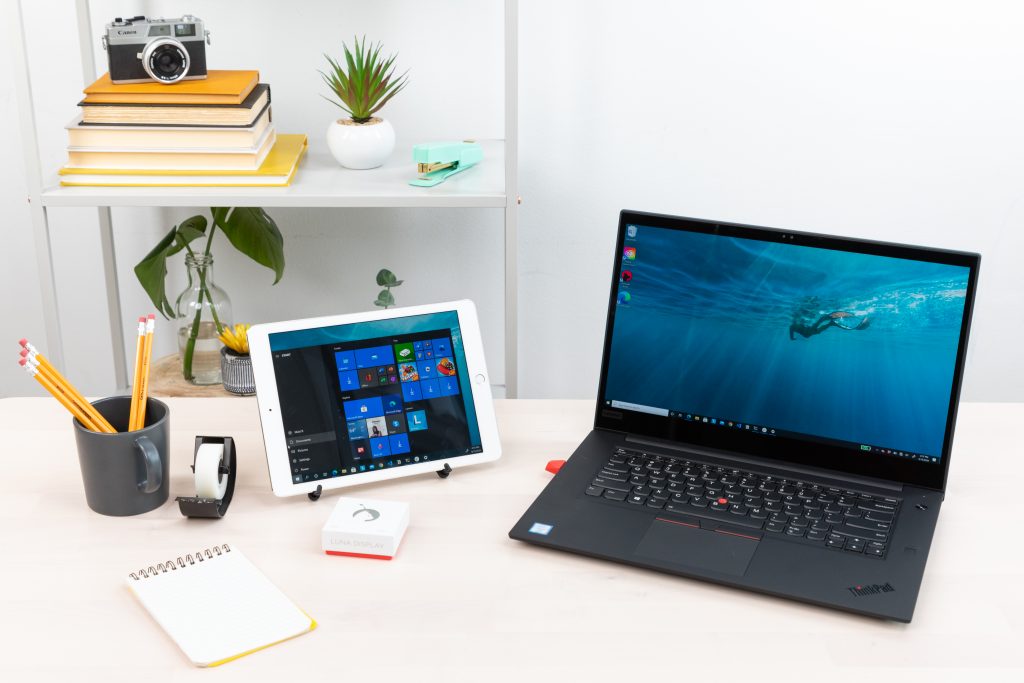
column 190, row 345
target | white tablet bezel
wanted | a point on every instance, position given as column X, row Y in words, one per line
column 270, row 408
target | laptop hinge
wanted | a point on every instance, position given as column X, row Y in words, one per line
column 767, row 463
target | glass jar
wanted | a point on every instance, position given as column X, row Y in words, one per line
column 203, row 309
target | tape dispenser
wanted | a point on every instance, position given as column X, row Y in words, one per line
column 214, row 468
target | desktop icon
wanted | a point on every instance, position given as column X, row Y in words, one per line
column 629, row 253
column 630, row 231
column 626, row 276
column 624, row 297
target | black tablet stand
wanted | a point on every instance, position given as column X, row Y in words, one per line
column 315, row 495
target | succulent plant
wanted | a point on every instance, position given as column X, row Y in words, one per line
column 368, row 83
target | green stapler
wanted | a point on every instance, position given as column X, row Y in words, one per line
column 437, row 161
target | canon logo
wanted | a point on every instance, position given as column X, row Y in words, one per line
column 873, row 589
column 129, row 32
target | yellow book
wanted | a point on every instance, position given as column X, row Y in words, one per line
column 277, row 170
column 219, row 87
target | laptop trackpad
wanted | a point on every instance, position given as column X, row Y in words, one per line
column 698, row 548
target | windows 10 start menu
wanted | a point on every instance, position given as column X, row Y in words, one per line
column 369, row 405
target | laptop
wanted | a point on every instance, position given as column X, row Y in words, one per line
column 775, row 412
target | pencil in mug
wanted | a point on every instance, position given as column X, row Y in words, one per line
column 133, row 414
column 61, row 397
column 38, row 360
column 147, row 353
column 59, row 391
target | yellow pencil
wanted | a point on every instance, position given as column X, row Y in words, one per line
column 147, row 353
column 81, row 405
column 57, row 394
column 37, row 359
column 133, row 415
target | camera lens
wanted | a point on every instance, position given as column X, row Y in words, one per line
column 165, row 60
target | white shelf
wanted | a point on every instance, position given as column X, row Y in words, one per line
column 319, row 182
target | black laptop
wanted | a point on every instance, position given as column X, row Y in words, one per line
column 775, row 412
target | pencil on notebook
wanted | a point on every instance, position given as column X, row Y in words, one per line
column 136, row 383
column 38, row 360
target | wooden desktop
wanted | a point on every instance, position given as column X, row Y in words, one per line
column 461, row 601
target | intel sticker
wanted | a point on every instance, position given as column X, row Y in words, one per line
column 542, row 529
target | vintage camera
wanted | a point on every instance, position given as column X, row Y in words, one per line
column 140, row 50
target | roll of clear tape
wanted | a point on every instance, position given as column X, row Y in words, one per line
column 210, row 483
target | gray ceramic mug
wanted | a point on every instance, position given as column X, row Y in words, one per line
column 125, row 473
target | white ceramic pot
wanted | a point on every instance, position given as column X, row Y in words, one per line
column 361, row 145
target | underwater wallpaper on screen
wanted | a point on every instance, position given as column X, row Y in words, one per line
column 854, row 347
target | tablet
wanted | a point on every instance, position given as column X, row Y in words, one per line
column 350, row 399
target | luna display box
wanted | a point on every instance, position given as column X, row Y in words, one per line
column 365, row 528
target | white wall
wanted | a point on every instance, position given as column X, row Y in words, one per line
column 895, row 121
column 899, row 121
column 19, row 307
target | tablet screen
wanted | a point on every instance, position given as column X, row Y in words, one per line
column 374, row 395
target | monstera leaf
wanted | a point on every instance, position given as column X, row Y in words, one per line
column 249, row 229
column 152, row 270
column 254, row 233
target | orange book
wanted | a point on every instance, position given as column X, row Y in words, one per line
column 219, row 87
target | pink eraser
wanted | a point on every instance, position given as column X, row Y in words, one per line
column 142, row 318
column 24, row 352
column 23, row 342
column 152, row 316
column 22, row 361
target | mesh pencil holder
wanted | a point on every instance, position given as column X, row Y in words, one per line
column 236, row 370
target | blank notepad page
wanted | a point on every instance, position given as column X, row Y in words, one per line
column 220, row 608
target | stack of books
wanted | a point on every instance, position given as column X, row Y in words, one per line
column 217, row 131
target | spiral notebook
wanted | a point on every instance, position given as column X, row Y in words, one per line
column 217, row 606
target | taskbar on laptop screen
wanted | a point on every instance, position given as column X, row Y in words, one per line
column 376, row 395
column 840, row 346
column 767, row 431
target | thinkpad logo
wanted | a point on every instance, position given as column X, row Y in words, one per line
column 873, row 589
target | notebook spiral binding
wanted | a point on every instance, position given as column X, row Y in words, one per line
column 181, row 562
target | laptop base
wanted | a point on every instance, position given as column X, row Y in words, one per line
column 565, row 518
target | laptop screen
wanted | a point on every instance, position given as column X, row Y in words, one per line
column 786, row 340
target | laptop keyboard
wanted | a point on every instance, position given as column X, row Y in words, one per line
column 798, row 510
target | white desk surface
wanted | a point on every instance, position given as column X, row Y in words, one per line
column 464, row 602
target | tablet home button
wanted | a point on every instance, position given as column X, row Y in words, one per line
column 480, row 379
